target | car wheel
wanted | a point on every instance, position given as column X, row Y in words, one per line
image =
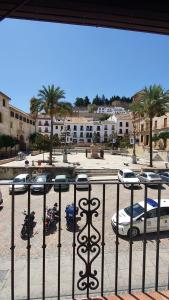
column 133, row 232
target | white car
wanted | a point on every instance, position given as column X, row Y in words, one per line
column 139, row 215
column 20, row 180
column 82, row 181
column 127, row 176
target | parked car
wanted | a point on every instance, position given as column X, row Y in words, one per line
column 40, row 181
column 127, row 176
column 138, row 218
column 150, row 177
column 61, row 181
column 164, row 176
column 1, row 199
column 82, row 181
column 20, row 179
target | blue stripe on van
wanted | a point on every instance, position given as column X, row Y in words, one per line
column 152, row 202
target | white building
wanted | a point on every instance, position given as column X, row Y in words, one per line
column 123, row 123
column 84, row 130
column 111, row 110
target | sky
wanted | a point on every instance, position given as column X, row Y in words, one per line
column 81, row 60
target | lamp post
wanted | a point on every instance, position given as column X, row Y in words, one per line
column 134, row 159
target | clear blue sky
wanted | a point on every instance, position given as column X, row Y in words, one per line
column 81, row 60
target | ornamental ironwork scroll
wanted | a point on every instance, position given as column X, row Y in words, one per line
column 88, row 248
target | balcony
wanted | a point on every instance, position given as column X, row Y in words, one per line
column 88, row 260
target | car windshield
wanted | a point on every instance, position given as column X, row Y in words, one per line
column 19, row 180
column 82, row 179
column 60, row 180
column 129, row 175
column 40, row 179
column 154, row 176
column 137, row 210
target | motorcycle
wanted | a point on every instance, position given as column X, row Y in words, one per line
column 71, row 213
column 52, row 216
column 27, row 228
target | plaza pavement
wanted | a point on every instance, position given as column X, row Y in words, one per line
column 110, row 162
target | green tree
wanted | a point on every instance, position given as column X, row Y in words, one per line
column 164, row 135
column 151, row 102
column 35, row 108
column 50, row 97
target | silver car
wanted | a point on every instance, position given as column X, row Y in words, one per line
column 20, row 181
column 150, row 177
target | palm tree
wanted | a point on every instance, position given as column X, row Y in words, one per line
column 35, row 108
column 151, row 102
column 49, row 97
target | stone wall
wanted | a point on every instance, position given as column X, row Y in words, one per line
column 7, row 173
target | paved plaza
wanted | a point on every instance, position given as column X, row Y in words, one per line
column 81, row 162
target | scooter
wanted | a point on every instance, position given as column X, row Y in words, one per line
column 27, row 228
column 71, row 212
column 52, row 216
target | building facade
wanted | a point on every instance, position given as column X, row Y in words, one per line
column 15, row 122
column 86, row 130
column 111, row 110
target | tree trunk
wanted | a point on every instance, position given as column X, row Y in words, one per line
column 51, row 141
column 151, row 143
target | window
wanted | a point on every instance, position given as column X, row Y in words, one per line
column 120, row 124
column 142, row 127
column 127, row 124
column 40, row 130
column 20, row 117
column 68, row 127
column 4, row 102
column 46, row 123
column 27, row 120
column 75, row 127
column 56, row 127
column 152, row 213
column 81, row 127
column 0, row 117
column 30, row 121
column 127, row 131
column 61, row 127
column 24, row 119
column 113, row 127
column 11, row 124
column 120, row 131
column 40, row 124
column 98, row 128
column 164, row 211
column 46, row 129
column 155, row 124
column 81, row 134
column 141, row 138
column 33, row 123
column 16, row 116
column 165, row 122
column 105, row 127
column 12, row 114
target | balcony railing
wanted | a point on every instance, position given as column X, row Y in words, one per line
column 90, row 258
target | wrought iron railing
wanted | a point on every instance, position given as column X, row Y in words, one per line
column 89, row 242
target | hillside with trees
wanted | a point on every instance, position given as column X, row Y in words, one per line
column 103, row 101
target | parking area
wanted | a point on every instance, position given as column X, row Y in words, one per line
column 67, row 240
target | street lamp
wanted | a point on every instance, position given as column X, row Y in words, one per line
column 133, row 142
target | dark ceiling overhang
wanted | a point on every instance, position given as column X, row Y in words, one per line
column 146, row 16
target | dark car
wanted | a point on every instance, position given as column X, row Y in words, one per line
column 164, row 176
column 39, row 183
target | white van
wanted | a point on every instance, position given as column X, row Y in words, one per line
column 82, row 181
